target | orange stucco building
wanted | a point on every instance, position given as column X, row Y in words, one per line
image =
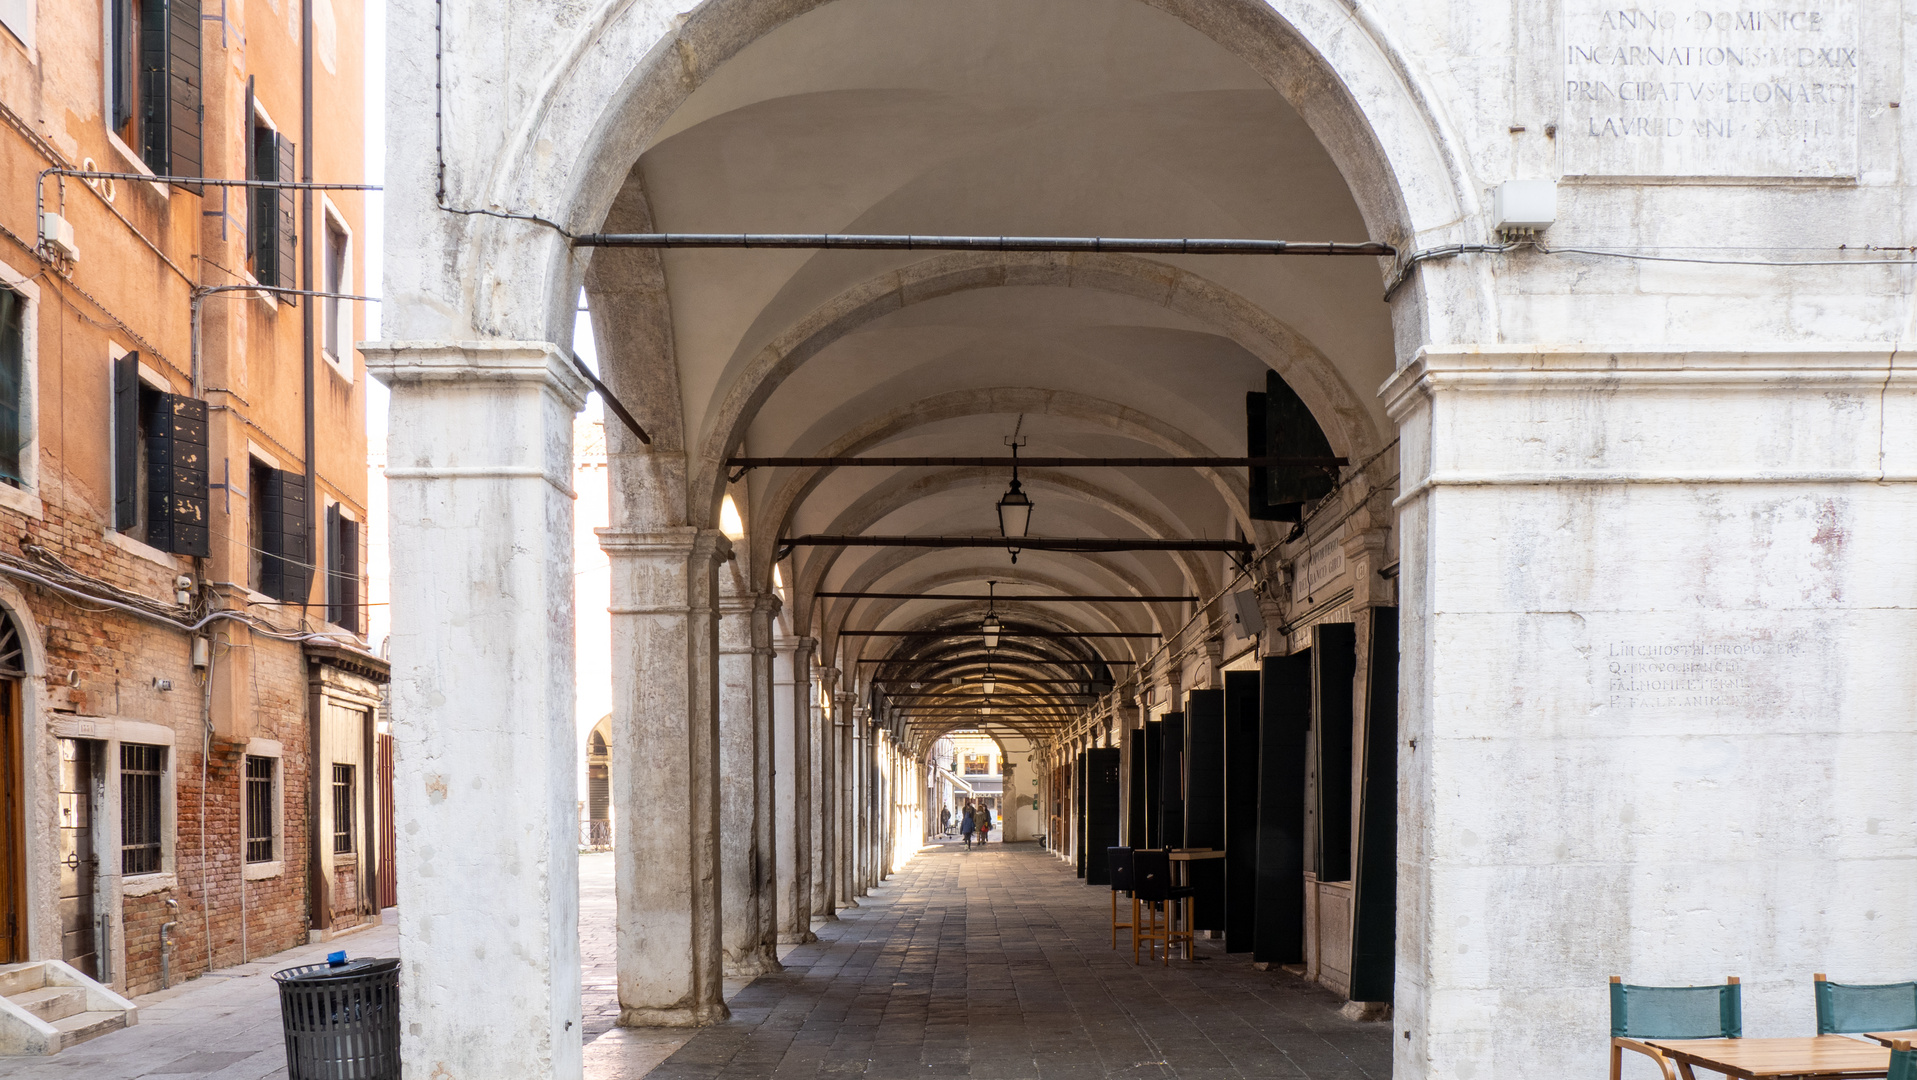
column 190, row 712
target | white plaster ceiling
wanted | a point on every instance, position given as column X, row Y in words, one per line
column 1070, row 117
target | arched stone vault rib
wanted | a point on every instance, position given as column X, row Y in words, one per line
column 790, row 487
column 904, row 490
column 613, row 80
column 1346, row 422
column 873, row 572
column 966, row 619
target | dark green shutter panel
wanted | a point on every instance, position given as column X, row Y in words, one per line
column 122, row 64
column 126, row 441
column 342, row 565
column 285, row 232
column 296, row 538
column 176, row 475
column 262, row 204
column 267, row 504
column 170, row 93
column 1277, row 424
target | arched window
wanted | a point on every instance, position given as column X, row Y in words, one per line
column 13, row 655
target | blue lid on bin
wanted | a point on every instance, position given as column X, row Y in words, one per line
column 364, row 966
column 335, row 959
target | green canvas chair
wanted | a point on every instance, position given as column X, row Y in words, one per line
column 1671, row 1012
column 1849, row 1008
column 1903, row 1062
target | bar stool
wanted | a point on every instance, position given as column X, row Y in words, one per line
column 1120, row 861
column 1152, row 883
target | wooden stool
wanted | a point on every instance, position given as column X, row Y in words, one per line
column 1151, row 883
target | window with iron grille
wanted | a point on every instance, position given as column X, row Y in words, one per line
column 141, row 770
column 259, row 809
column 342, row 809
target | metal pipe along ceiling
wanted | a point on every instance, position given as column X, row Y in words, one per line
column 916, row 242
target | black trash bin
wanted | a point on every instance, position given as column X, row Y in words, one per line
column 341, row 1020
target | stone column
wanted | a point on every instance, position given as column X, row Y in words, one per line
column 825, row 765
column 766, row 866
column 843, row 882
column 665, row 726
column 482, row 701
column 792, row 812
column 745, row 953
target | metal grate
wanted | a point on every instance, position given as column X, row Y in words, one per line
column 259, row 809
column 342, row 809
column 141, row 770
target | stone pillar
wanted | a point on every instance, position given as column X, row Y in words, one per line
column 665, row 726
column 482, row 701
column 792, row 774
column 745, row 952
column 843, row 882
column 766, row 866
column 824, row 806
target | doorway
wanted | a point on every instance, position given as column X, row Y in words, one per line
column 78, row 858
column 13, row 865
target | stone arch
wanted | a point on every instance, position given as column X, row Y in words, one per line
column 783, row 498
column 1294, row 358
column 613, row 75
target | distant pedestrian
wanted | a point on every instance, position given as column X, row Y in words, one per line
column 983, row 821
column 968, row 820
column 945, row 821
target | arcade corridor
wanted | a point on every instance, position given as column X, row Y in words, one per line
column 996, row 963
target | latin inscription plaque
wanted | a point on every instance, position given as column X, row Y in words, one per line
column 1692, row 91
column 1738, row 673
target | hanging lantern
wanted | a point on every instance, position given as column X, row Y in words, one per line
column 1014, row 510
column 989, row 682
column 991, row 628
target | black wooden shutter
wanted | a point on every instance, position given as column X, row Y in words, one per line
column 267, row 504
column 262, row 204
column 126, row 441
column 185, row 100
column 342, row 569
column 170, row 93
column 286, row 233
column 122, row 65
column 176, row 475
column 296, row 538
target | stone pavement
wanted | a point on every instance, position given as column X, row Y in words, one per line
column 992, row 963
column 997, row 964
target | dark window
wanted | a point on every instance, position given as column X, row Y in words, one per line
column 124, row 30
column 334, row 260
column 259, row 809
column 141, row 769
column 278, row 533
column 271, row 237
column 13, row 367
column 159, row 464
column 343, row 810
column 342, row 569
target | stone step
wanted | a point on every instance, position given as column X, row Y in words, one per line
column 80, row 1027
column 20, row 978
column 52, row 1003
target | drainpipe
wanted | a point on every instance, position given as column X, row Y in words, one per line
column 166, row 944
column 306, row 279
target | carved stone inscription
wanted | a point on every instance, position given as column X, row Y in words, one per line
column 1693, row 91
column 1697, row 674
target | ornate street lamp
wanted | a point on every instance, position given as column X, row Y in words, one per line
column 1014, row 510
column 991, row 628
column 989, row 682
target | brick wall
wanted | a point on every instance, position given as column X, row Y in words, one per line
column 116, row 658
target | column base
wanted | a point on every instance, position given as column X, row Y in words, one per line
column 788, row 937
column 825, row 917
column 752, row 965
column 695, row 1016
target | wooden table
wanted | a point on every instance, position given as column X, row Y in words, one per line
column 1181, row 860
column 1821, row 1056
column 1888, row 1037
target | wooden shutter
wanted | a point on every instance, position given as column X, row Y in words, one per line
column 342, row 566
column 126, row 441
column 122, row 63
column 176, row 475
column 1374, row 901
column 170, row 92
column 286, row 571
column 262, row 214
column 285, row 231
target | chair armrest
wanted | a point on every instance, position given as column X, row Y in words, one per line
column 1619, row 1043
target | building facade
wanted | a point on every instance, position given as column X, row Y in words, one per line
column 192, row 746
column 1572, row 534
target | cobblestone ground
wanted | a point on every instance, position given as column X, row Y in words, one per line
column 997, row 964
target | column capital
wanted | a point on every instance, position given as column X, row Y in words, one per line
column 413, row 363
